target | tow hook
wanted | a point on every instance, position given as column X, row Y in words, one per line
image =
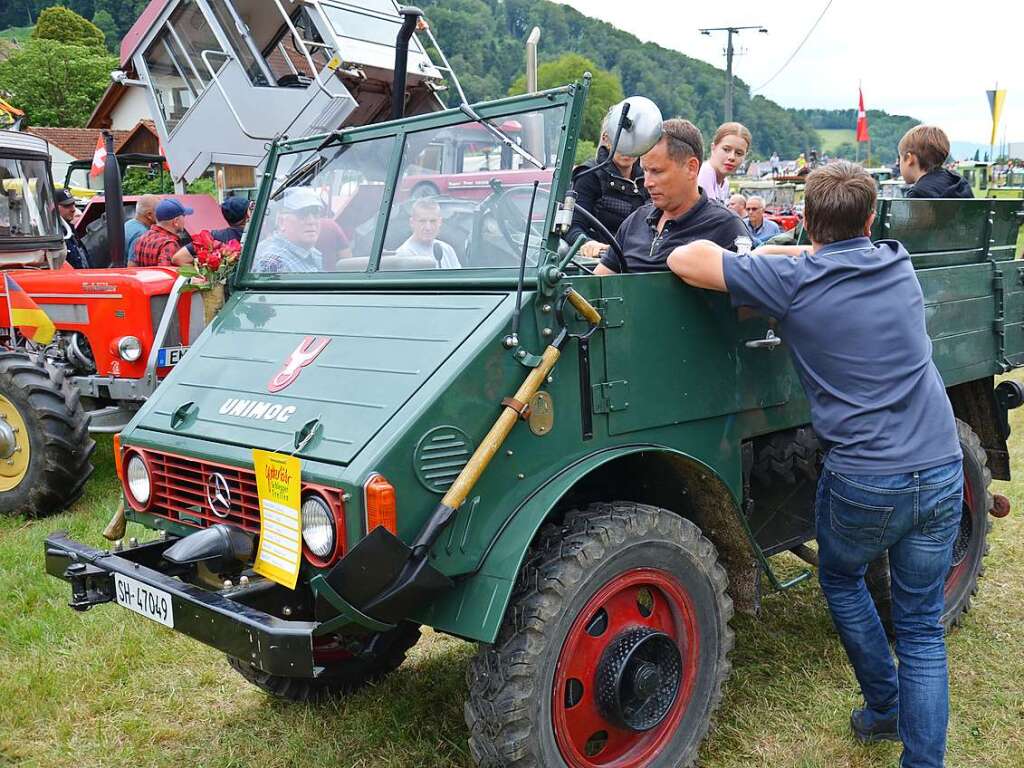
column 89, row 586
column 1000, row 506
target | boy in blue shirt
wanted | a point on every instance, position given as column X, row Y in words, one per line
column 852, row 313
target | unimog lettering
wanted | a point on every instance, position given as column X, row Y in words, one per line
column 256, row 409
column 597, row 563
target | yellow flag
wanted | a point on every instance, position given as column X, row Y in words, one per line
column 995, row 104
column 279, row 489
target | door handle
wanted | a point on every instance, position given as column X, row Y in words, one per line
column 769, row 342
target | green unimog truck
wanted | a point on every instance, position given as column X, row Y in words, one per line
column 583, row 475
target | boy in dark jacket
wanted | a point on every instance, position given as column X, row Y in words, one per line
column 923, row 149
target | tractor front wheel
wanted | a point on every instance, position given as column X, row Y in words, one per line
column 614, row 647
column 45, row 448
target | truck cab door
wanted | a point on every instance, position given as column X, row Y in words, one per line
column 674, row 354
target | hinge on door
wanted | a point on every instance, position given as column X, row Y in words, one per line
column 611, row 396
column 612, row 311
column 999, row 321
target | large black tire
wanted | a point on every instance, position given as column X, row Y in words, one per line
column 344, row 674
column 788, row 456
column 970, row 548
column 591, row 590
column 51, row 428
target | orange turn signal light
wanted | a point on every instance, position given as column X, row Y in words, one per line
column 118, row 463
column 381, row 504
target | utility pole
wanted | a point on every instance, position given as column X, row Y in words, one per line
column 729, row 51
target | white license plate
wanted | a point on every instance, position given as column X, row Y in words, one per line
column 145, row 600
column 168, row 356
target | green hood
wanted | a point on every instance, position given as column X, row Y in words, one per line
column 370, row 353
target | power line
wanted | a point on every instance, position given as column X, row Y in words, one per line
column 794, row 53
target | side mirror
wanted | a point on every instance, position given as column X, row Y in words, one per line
column 635, row 124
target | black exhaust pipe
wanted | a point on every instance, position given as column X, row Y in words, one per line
column 410, row 16
column 114, row 205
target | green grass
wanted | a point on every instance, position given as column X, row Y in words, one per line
column 831, row 138
column 108, row 688
column 19, row 34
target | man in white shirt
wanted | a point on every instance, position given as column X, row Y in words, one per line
column 426, row 221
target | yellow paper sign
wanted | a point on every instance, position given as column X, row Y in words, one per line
column 279, row 490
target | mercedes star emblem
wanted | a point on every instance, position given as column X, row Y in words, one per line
column 218, row 495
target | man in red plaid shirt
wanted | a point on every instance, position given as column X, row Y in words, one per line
column 160, row 246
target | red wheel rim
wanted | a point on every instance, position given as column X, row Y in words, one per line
column 960, row 565
column 645, row 598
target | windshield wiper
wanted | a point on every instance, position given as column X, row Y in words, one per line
column 501, row 136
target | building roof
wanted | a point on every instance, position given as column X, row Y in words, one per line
column 80, row 143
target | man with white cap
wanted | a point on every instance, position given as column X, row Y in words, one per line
column 292, row 248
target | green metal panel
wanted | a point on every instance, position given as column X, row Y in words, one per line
column 682, row 353
column 381, row 349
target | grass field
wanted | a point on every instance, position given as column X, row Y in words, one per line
column 831, row 138
column 108, row 688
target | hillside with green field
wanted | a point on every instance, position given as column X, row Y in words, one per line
column 833, row 138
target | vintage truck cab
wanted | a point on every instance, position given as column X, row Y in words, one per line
column 447, row 421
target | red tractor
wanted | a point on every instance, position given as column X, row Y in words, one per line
column 119, row 332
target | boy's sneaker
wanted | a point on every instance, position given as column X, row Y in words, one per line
column 868, row 727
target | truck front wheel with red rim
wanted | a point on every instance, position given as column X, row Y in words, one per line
column 614, row 648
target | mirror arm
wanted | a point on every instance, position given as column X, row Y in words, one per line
column 624, row 122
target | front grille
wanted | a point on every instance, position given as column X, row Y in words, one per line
column 181, row 490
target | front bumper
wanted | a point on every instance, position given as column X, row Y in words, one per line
column 225, row 620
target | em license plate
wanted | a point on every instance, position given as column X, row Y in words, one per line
column 145, row 600
column 168, row 356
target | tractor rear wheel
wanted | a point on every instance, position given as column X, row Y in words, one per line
column 45, row 447
column 345, row 671
column 614, row 648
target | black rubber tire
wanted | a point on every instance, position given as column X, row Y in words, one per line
column 970, row 550
column 58, row 434
column 341, row 678
column 787, row 456
column 509, row 711
column 424, row 189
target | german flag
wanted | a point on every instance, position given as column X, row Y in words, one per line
column 26, row 315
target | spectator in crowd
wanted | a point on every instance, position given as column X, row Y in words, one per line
column 161, row 245
column 761, row 227
column 610, row 193
column 774, row 160
column 892, row 479
column 235, row 211
column 426, row 221
column 728, row 149
column 738, row 203
column 923, row 149
column 139, row 225
column 292, row 247
column 78, row 256
column 679, row 211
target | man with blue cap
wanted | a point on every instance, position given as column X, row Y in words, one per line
column 161, row 246
column 236, row 214
column 292, row 248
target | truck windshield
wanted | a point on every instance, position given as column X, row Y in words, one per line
column 461, row 201
column 26, row 200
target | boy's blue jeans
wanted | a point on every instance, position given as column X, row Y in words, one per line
column 916, row 517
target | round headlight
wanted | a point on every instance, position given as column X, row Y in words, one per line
column 318, row 527
column 129, row 348
column 137, row 479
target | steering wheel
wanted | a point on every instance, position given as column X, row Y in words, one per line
column 499, row 214
column 613, row 243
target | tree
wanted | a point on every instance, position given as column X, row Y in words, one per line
column 605, row 88
column 56, row 84
column 105, row 22
column 65, row 26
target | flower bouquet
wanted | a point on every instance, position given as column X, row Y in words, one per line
column 213, row 264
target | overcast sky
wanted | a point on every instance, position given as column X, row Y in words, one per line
column 931, row 59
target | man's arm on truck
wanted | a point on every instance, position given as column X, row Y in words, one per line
column 700, row 264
